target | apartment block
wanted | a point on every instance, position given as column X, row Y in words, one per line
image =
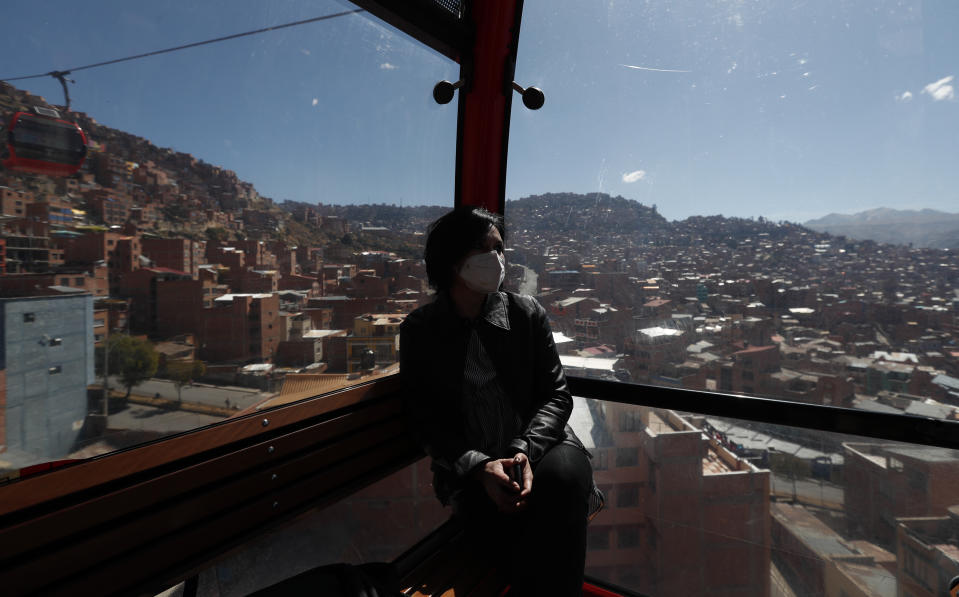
column 240, row 328
column 683, row 512
column 815, row 560
column 927, row 553
column 377, row 332
column 164, row 302
column 889, row 481
column 121, row 253
column 47, row 354
column 180, row 254
column 28, row 246
column 14, row 202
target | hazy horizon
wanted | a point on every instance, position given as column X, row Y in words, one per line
column 785, row 111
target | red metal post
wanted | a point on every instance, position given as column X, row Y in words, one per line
column 485, row 102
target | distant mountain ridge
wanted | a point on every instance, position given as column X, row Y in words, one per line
column 599, row 213
column 601, row 218
column 921, row 228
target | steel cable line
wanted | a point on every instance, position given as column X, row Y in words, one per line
column 61, row 73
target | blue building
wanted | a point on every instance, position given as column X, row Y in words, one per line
column 46, row 363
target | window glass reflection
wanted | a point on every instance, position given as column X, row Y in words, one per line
column 744, row 198
column 760, row 509
column 241, row 231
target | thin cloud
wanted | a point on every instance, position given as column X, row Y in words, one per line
column 941, row 89
column 631, row 177
column 387, row 66
column 656, row 70
column 905, row 97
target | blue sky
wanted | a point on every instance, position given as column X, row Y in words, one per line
column 785, row 110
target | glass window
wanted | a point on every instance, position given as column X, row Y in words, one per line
column 627, row 495
column 600, row 460
column 627, row 456
column 629, row 422
column 747, row 198
column 627, row 536
column 763, row 509
column 597, row 537
column 262, row 160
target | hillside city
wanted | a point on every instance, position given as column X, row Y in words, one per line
column 152, row 293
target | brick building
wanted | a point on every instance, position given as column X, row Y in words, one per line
column 682, row 513
column 240, row 328
column 54, row 210
column 14, row 202
column 927, row 554
column 376, row 332
column 92, row 279
column 179, row 254
column 163, row 302
column 108, row 207
column 120, row 252
column 889, row 481
column 814, row 560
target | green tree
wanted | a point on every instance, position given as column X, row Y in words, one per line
column 218, row 234
column 183, row 373
column 133, row 360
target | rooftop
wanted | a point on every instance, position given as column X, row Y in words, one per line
column 383, row 318
column 226, row 298
column 818, row 537
column 597, row 363
column 658, row 331
column 873, row 579
column 925, row 453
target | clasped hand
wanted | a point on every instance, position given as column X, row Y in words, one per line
column 506, row 493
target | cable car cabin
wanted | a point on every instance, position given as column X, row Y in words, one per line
column 44, row 144
column 715, row 487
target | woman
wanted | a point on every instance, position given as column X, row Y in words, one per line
column 488, row 400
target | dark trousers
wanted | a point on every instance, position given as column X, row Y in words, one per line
column 544, row 547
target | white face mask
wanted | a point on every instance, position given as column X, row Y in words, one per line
column 484, row 272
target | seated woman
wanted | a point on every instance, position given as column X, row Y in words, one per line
column 488, row 400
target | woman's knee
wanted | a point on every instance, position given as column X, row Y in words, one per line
column 564, row 468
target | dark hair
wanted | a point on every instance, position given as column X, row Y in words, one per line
column 451, row 237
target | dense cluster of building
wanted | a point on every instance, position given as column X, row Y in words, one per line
column 138, row 243
column 776, row 311
column 772, row 310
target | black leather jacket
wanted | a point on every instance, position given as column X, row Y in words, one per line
column 516, row 335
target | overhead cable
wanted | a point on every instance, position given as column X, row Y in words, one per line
column 62, row 72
